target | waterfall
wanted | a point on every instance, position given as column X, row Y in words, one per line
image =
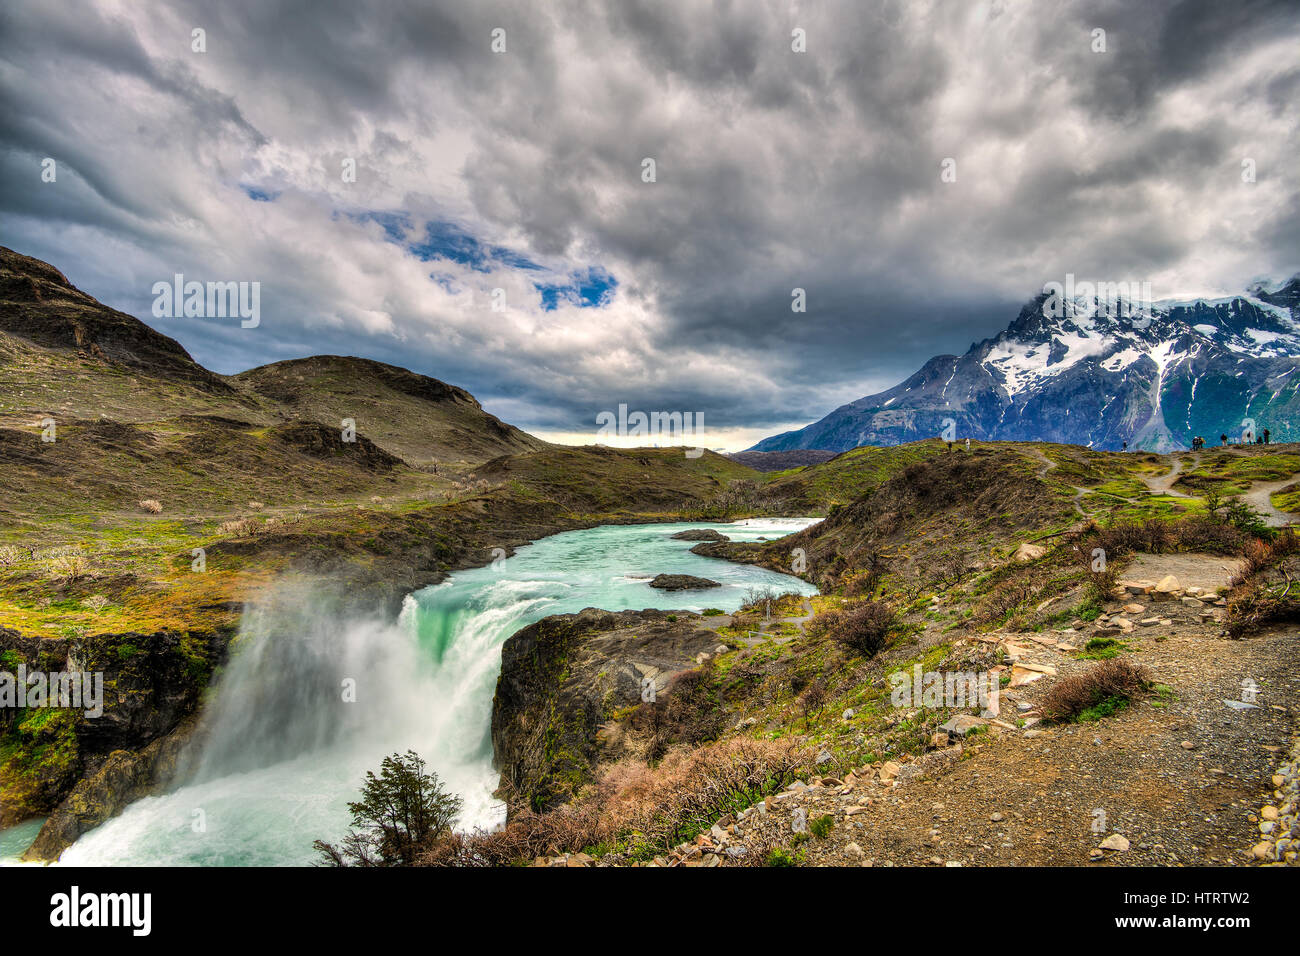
column 312, row 696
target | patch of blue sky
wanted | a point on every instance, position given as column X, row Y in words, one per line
column 447, row 241
column 260, row 195
column 586, row 288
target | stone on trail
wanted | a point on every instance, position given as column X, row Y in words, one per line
column 1115, row 842
column 799, row 820
column 962, row 724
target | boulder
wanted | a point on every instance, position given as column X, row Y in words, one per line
column 1029, row 552
column 699, row 534
column 1166, row 589
column 888, row 771
column 682, row 582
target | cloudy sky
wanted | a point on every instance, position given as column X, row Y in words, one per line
column 523, row 171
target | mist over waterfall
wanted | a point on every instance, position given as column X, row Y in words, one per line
column 310, row 700
column 312, row 697
column 303, row 679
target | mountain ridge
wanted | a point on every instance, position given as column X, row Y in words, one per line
column 57, row 343
column 1100, row 374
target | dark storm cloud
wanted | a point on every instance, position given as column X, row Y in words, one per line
column 521, row 171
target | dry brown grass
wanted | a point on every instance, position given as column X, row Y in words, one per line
column 239, row 527
column 1260, row 555
column 691, row 789
column 151, row 505
column 650, row 809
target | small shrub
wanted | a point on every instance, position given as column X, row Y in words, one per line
column 70, row 564
column 684, row 713
column 813, row 700
column 1245, row 518
column 566, row 829
column 863, row 627
column 9, row 556
column 239, row 527
column 1102, row 649
column 1106, row 686
column 402, row 812
column 151, row 505
column 821, row 826
column 1253, row 607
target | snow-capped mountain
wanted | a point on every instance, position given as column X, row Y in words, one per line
column 1091, row 373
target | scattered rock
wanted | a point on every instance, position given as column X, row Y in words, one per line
column 962, row 724
column 1115, row 842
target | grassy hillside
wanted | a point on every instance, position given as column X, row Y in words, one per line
column 65, row 356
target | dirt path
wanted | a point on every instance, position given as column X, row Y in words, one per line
column 1164, row 485
column 1177, row 778
column 1048, row 465
column 1260, row 498
column 763, row 633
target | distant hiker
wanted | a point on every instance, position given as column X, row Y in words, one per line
column 1223, row 439
column 950, row 446
column 968, row 444
column 1259, row 439
column 1125, row 447
column 1265, row 436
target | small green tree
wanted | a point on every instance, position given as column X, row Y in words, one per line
column 401, row 812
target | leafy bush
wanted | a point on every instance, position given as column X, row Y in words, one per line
column 402, row 812
column 779, row 856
